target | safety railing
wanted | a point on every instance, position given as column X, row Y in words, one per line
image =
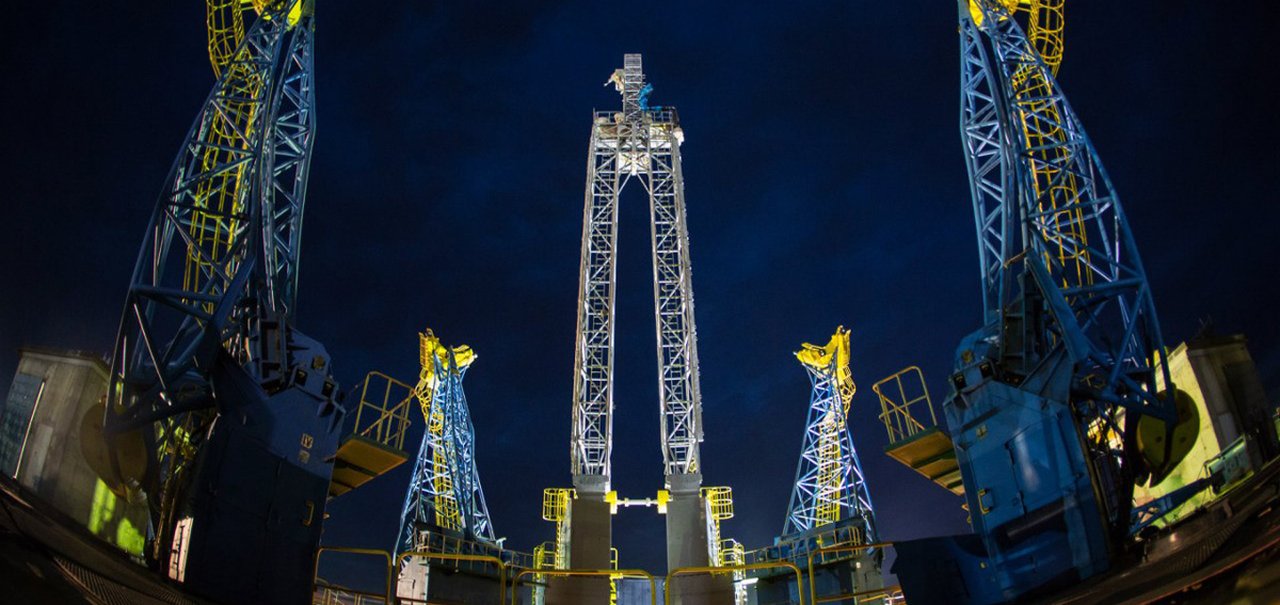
column 387, row 421
column 387, row 596
column 656, row 115
column 340, row 595
column 898, row 393
column 890, row 595
column 555, row 503
column 720, row 501
column 689, row 571
column 607, row 574
column 796, row 549
column 864, row 595
column 508, row 592
column 492, row 560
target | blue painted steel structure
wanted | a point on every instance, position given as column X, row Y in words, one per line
column 829, row 485
column 445, row 473
column 1047, row 394
column 237, row 410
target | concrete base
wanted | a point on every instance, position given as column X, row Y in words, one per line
column 411, row 586
column 576, row 591
column 702, row 589
column 687, row 546
column 590, row 540
column 686, row 529
column 421, row 582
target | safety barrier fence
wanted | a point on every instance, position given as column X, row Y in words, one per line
column 898, row 393
column 330, row 595
column 495, row 561
column 388, row 421
column 688, row 571
column 373, row 552
column 863, row 595
column 602, row 573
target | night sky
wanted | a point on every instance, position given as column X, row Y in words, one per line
column 824, row 181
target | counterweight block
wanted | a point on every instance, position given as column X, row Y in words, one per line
column 248, row 523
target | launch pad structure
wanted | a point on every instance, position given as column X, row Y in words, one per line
column 1096, row 464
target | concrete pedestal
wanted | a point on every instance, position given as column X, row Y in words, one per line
column 590, row 540
column 687, row 546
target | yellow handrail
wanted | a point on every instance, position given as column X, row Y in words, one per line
column 502, row 567
column 896, row 413
column 886, row 592
column 392, row 420
column 686, row 571
column 606, row 573
column 355, row 551
column 813, row 590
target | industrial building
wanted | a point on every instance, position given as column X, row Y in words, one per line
column 40, row 448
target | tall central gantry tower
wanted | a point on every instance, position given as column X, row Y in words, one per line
column 640, row 143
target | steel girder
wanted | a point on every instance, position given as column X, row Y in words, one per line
column 984, row 130
column 592, row 428
column 829, row 485
column 288, row 154
column 643, row 143
column 1076, row 244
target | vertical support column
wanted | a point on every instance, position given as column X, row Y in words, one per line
column 642, row 142
column 679, row 396
column 591, row 442
column 678, row 390
column 985, row 132
column 688, row 545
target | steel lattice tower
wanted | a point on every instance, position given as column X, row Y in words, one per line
column 1047, row 394
column 639, row 143
column 211, row 385
column 829, row 485
column 1040, row 191
column 444, row 490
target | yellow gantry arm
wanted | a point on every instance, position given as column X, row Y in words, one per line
column 1044, row 25
column 831, row 360
column 820, row 358
column 225, row 24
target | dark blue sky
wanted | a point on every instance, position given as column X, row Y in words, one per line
column 824, row 181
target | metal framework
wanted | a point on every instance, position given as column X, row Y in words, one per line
column 639, row 142
column 1042, row 197
column 829, row 485
column 217, row 270
column 444, row 490
column 1048, row 392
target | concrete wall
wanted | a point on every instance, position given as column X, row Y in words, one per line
column 51, row 464
column 1219, row 375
